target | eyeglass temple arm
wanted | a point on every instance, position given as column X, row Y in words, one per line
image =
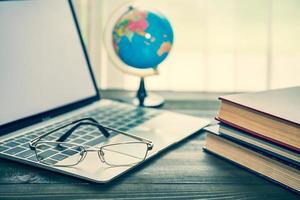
column 149, row 143
column 33, row 141
column 69, row 132
column 103, row 129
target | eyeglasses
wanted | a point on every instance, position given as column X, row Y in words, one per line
column 64, row 154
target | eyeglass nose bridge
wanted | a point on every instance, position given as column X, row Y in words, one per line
column 99, row 152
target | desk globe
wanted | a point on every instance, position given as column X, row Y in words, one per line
column 137, row 41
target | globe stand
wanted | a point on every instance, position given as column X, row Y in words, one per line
column 144, row 99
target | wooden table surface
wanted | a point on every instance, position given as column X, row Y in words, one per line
column 182, row 172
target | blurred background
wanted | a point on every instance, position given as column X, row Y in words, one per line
column 220, row 45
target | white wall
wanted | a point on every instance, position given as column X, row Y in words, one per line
column 220, row 45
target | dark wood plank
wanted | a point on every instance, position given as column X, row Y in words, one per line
column 183, row 171
column 147, row 191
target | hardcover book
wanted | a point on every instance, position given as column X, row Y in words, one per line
column 272, row 115
column 263, row 165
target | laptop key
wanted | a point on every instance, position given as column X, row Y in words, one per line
column 87, row 137
column 69, row 152
column 31, row 136
column 2, row 148
column 22, row 140
column 95, row 141
column 14, row 151
column 114, row 126
column 50, row 138
column 46, row 154
column 11, row 144
column 79, row 141
column 124, row 129
column 44, row 147
column 57, row 134
column 26, row 153
column 139, row 121
column 33, row 158
column 80, row 133
column 94, row 134
column 49, row 161
column 59, row 157
column 88, row 129
column 131, row 125
column 25, row 145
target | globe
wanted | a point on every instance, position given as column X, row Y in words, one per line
column 142, row 39
column 137, row 41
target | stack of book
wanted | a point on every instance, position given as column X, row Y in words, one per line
column 260, row 132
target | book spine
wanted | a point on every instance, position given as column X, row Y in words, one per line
column 250, row 170
column 259, row 111
column 292, row 148
column 263, row 151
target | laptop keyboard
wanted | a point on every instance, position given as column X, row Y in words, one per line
column 118, row 116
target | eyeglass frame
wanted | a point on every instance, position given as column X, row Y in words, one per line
column 101, row 128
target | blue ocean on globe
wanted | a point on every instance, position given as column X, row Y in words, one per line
column 142, row 39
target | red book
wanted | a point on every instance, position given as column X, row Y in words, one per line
column 272, row 115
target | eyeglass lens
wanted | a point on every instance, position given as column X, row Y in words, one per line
column 62, row 154
column 124, row 153
column 65, row 154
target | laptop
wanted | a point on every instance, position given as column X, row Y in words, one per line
column 51, row 109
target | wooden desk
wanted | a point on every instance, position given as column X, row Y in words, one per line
column 183, row 172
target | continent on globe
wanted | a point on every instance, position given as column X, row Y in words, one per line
column 164, row 48
column 142, row 39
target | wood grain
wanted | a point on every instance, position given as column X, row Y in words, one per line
column 182, row 172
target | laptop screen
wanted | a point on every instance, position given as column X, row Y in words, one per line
column 43, row 65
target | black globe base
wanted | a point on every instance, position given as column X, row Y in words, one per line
column 150, row 101
column 144, row 99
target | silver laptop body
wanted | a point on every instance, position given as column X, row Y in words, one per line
column 46, row 81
